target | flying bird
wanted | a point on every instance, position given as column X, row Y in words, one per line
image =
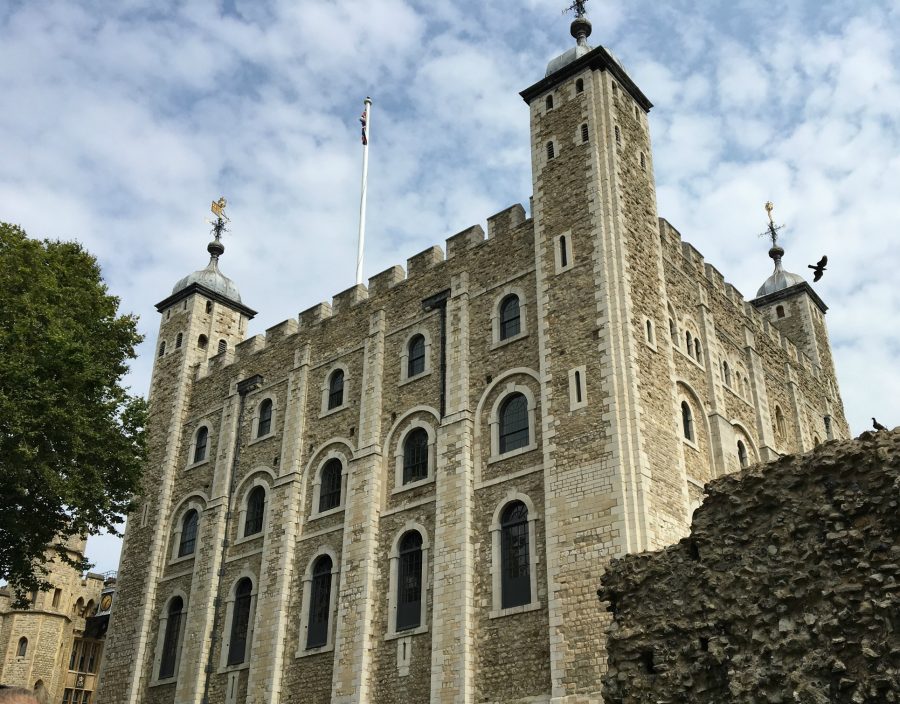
column 877, row 425
column 819, row 268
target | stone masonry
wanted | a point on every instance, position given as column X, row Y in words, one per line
column 607, row 293
column 787, row 590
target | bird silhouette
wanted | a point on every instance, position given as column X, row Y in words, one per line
column 819, row 268
column 877, row 425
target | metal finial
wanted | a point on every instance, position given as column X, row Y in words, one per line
column 772, row 231
column 216, row 248
column 578, row 7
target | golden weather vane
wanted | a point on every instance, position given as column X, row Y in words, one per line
column 578, row 7
column 772, row 231
column 218, row 209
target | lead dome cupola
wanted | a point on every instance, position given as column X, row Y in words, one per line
column 210, row 277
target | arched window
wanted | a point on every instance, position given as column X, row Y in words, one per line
column 188, row 541
column 330, row 486
column 697, row 349
column 513, row 423
column 578, row 392
column 202, row 342
column 209, row 306
column 510, row 323
column 169, row 659
column 200, row 443
column 514, row 556
column 779, row 422
column 779, row 311
column 563, row 251
column 687, row 421
column 256, row 511
column 409, row 582
column 319, row 603
column 726, row 373
column 689, row 343
column 415, row 456
column 650, row 332
column 23, row 647
column 162, row 348
column 264, row 426
column 178, row 339
column 618, row 136
column 643, row 162
column 673, row 331
column 579, row 86
column 551, row 152
column 742, row 454
column 222, row 346
column 240, row 622
column 549, row 102
column 584, row 132
column 416, row 361
column 336, row 389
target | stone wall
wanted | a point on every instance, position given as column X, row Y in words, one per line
column 787, row 590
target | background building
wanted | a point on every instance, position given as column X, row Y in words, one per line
column 407, row 495
column 55, row 645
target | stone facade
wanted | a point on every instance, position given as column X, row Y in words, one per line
column 37, row 643
column 602, row 470
column 785, row 591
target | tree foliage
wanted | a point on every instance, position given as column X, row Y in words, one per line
column 71, row 437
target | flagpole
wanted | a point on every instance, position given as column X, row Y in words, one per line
column 365, row 183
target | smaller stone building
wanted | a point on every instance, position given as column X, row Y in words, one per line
column 787, row 590
column 55, row 644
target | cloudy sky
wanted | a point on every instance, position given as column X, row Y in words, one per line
column 123, row 120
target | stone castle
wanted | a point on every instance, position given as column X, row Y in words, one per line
column 407, row 495
column 54, row 646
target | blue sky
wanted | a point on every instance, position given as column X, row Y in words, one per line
column 123, row 120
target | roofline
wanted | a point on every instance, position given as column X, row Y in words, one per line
column 598, row 58
column 803, row 287
column 209, row 293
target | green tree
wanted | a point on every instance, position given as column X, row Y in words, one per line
column 71, row 437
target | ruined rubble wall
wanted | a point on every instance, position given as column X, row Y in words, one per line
column 787, row 590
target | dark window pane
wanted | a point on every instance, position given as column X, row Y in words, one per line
column 416, row 363
column 409, row 582
column 514, row 549
column 265, row 419
column 687, row 420
column 256, row 510
column 170, row 640
column 319, row 603
column 240, row 622
column 330, row 488
column 23, row 647
column 200, row 444
column 415, row 456
column 336, row 390
column 513, row 423
column 509, row 317
column 222, row 346
column 188, row 534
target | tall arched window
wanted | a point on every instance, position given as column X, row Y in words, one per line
column 697, row 349
column 264, row 426
column 650, row 339
column 319, row 603
column 240, row 622
column 415, row 456
column 687, row 421
column 688, row 342
column 188, row 541
column 515, row 561
column 742, row 454
column 200, row 443
column 563, row 251
column 549, row 102
column 222, row 346
column 409, row 582
column 23, row 647
column 513, row 423
column 256, row 511
column 336, row 389
column 726, row 372
column 330, row 486
column 416, row 361
column 779, row 422
column 510, row 322
column 169, row 659
column 673, row 331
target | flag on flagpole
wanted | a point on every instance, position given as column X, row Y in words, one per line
column 363, row 119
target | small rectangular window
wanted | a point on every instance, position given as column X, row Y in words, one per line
column 56, row 594
column 584, row 132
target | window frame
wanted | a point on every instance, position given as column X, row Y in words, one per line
column 499, row 298
column 561, row 262
column 245, row 510
column 227, row 633
column 497, row 609
column 399, row 456
column 405, row 356
column 392, row 632
column 503, row 393
column 319, row 464
column 255, row 435
column 688, row 425
column 161, row 631
column 182, row 541
column 193, row 502
column 192, row 452
column 306, row 599
column 22, row 647
column 326, row 390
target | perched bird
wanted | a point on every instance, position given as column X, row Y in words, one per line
column 877, row 425
column 819, row 268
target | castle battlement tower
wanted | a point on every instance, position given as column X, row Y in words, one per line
column 408, row 494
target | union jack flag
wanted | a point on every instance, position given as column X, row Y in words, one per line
column 362, row 120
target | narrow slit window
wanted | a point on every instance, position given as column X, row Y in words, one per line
column 579, row 86
column 563, row 254
column 23, row 647
column 618, row 136
column 319, row 603
column 222, row 346
column 178, row 339
column 650, row 332
column 549, row 102
column 643, row 162
column 551, row 152
column 578, row 393
column 409, row 582
column 687, row 421
column 240, row 622
column 162, row 348
column 584, row 132
column 742, row 454
column 209, row 306
column 515, row 582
